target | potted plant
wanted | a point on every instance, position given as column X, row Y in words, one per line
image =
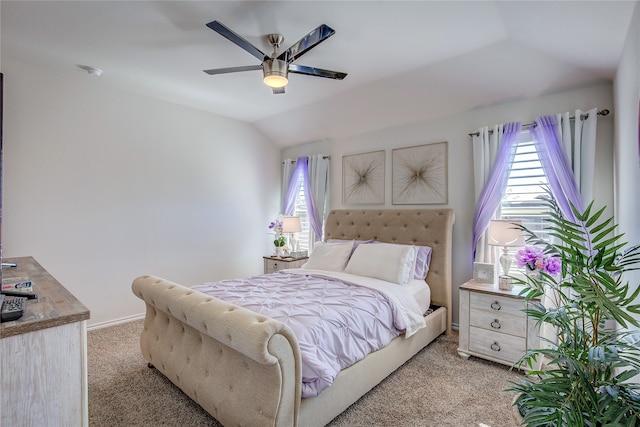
column 584, row 375
column 279, row 240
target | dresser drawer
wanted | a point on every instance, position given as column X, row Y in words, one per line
column 496, row 345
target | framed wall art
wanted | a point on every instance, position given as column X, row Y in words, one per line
column 363, row 178
column 420, row 175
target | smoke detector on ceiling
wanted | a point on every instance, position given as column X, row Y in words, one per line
column 91, row 70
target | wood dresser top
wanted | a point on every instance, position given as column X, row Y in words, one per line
column 55, row 304
column 489, row 288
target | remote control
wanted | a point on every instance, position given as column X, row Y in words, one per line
column 12, row 308
column 16, row 293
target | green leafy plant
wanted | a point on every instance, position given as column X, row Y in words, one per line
column 584, row 375
column 276, row 226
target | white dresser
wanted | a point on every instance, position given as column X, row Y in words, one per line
column 44, row 355
column 493, row 324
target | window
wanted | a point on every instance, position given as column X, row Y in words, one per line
column 300, row 210
column 296, row 197
column 526, row 181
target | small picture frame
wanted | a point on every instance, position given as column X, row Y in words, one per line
column 483, row 272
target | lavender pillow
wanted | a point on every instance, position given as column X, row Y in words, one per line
column 423, row 259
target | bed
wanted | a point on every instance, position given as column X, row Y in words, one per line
column 245, row 368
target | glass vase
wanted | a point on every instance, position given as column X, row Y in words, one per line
column 534, row 274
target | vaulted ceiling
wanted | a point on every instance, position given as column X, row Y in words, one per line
column 406, row 61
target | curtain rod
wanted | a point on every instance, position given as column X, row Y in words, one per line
column 603, row 113
column 293, row 161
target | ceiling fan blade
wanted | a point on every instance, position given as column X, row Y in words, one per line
column 306, row 43
column 233, row 69
column 319, row 72
column 227, row 33
column 278, row 90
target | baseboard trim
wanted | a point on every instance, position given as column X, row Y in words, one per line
column 114, row 322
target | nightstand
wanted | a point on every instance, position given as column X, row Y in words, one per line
column 274, row 263
column 493, row 323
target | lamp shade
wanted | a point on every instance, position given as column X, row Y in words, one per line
column 291, row 224
column 505, row 232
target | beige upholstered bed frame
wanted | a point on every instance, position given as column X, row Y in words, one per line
column 244, row 368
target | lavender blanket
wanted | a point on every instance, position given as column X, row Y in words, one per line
column 337, row 323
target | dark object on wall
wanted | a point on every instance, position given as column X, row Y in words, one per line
column 1, row 114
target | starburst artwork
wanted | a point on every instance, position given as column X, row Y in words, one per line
column 420, row 174
column 363, row 178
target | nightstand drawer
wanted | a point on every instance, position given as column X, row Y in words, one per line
column 497, row 304
column 271, row 265
column 496, row 345
column 503, row 322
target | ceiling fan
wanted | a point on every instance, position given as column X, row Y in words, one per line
column 276, row 67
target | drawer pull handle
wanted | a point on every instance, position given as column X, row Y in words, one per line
column 495, row 346
column 496, row 305
column 496, row 324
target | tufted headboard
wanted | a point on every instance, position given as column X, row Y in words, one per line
column 425, row 227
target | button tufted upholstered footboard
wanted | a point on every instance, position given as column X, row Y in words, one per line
column 241, row 367
column 244, row 368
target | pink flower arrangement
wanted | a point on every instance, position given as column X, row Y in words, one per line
column 534, row 259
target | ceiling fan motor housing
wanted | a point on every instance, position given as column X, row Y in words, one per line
column 275, row 72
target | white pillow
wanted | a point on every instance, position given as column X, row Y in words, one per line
column 385, row 261
column 329, row 256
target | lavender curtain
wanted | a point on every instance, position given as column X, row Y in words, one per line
column 288, row 167
column 491, row 195
column 556, row 166
column 301, row 172
column 289, row 201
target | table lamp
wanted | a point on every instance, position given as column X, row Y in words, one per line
column 506, row 233
column 291, row 225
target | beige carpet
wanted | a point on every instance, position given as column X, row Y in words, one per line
column 435, row 388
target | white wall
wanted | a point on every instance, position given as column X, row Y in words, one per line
column 455, row 130
column 102, row 185
column 627, row 151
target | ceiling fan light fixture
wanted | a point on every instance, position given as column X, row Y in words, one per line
column 275, row 73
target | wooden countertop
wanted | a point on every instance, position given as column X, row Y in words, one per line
column 55, row 304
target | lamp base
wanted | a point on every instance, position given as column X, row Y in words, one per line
column 293, row 243
column 505, row 261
